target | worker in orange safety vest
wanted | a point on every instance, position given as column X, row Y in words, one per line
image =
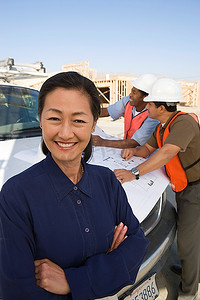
column 177, row 141
column 138, row 127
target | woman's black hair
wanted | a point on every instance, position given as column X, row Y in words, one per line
column 169, row 108
column 73, row 81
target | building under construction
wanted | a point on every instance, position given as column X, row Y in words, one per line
column 111, row 87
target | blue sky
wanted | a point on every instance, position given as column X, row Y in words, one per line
column 134, row 36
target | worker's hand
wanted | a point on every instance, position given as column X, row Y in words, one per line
column 124, row 175
column 128, row 153
column 51, row 277
column 97, row 140
column 119, row 236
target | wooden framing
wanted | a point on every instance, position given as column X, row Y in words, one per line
column 111, row 88
column 191, row 93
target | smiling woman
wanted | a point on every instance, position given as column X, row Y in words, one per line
column 67, row 123
column 67, row 230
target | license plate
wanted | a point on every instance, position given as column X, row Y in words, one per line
column 146, row 291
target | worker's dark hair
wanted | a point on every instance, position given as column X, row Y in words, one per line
column 71, row 81
column 169, row 108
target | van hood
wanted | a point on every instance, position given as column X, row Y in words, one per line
column 16, row 155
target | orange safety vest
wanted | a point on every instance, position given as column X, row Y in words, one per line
column 132, row 124
column 174, row 168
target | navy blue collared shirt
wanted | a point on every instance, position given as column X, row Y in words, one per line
column 44, row 215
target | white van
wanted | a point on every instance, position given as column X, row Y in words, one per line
column 20, row 137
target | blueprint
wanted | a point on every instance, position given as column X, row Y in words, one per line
column 142, row 194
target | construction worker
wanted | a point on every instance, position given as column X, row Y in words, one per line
column 177, row 139
column 138, row 127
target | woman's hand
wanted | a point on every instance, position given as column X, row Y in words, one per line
column 119, row 236
column 128, row 153
column 51, row 277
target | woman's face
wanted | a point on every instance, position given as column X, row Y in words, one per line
column 67, row 123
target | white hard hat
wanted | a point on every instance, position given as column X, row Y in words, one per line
column 144, row 82
column 165, row 90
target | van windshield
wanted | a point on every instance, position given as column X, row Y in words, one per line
column 18, row 112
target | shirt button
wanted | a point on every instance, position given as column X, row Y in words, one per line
column 87, row 229
column 78, row 201
column 75, row 188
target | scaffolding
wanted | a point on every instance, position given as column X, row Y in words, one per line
column 113, row 89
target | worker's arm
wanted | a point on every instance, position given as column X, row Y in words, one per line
column 156, row 161
column 122, row 144
column 104, row 112
column 142, row 151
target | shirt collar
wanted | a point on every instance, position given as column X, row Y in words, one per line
column 61, row 183
column 138, row 112
column 167, row 122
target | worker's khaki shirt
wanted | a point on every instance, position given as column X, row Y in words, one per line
column 184, row 133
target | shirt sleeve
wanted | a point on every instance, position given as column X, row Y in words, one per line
column 117, row 109
column 17, row 270
column 145, row 131
column 106, row 274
